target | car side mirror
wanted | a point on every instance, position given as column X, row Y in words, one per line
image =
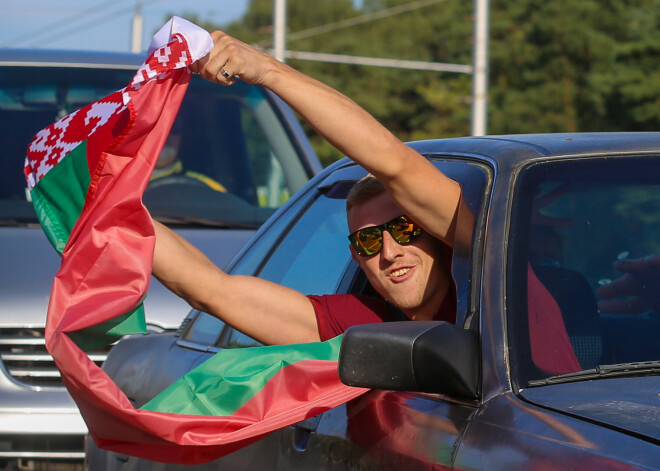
column 416, row 356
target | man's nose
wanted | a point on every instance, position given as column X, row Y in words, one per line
column 391, row 249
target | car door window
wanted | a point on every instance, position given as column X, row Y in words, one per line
column 310, row 258
column 572, row 221
column 256, row 250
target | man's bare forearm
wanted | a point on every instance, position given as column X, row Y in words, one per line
column 268, row 312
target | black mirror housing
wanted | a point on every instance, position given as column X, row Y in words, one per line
column 431, row 357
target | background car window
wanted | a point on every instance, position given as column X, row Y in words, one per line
column 573, row 220
column 31, row 99
column 227, row 162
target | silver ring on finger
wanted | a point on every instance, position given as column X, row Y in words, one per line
column 225, row 74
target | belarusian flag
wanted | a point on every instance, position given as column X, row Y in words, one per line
column 86, row 175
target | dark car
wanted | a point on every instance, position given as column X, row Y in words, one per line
column 235, row 154
column 533, row 375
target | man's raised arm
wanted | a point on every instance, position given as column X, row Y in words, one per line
column 421, row 190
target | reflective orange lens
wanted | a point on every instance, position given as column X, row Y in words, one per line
column 369, row 240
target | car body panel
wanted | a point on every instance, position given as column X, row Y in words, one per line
column 513, row 149
column 512, row 434
column 630, row 404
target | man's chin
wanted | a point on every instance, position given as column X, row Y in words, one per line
column 406, row 304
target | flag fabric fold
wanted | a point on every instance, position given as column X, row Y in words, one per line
column 86, row 175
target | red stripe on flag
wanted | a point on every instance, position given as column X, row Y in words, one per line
column 178, row 438
column 293, row 389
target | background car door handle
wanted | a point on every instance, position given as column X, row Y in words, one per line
column 302, row 431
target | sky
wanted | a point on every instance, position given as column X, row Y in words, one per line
column 103, row 25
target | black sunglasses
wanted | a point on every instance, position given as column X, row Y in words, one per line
column 369, row 240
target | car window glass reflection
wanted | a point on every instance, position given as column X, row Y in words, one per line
column 583, row 218
column 257, row 250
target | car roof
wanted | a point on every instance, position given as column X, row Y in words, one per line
column 61, row 58
column 516, row 149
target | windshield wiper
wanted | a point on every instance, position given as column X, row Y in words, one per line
column 642, row 368
column 22, row 222
column 191, row 221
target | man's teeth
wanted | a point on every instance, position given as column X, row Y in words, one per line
column 400, row 272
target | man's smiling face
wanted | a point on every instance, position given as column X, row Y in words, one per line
column 413, row 277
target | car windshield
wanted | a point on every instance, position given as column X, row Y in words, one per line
column 228, row 161
column 573, row 221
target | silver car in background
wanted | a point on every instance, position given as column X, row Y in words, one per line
column 235, row 155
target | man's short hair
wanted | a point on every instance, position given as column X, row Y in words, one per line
column 363, row 190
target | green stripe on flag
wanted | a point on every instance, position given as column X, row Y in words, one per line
column 58, row 198
column 229, row 379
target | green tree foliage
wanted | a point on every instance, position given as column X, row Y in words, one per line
column 559, row 66
column 566, row 66
column 413, row 104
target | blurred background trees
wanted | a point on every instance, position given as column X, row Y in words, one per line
column 559, row 66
